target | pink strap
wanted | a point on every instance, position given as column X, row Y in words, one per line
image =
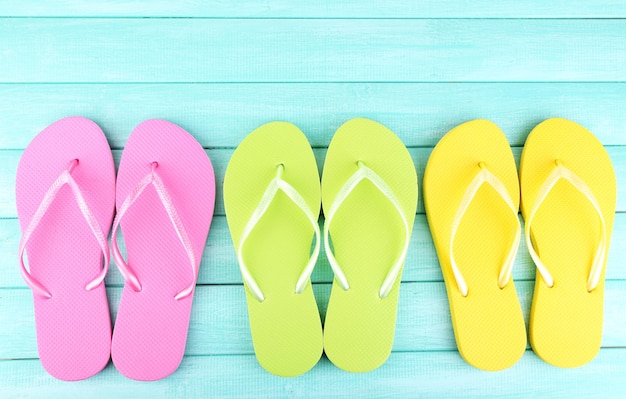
column 48, row 199
column 155, row 180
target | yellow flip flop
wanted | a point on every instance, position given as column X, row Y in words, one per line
column 471, row 196
column 568, row 201
column 369, row 196
column 272, row 202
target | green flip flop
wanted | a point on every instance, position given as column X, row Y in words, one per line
column 272, row 202
column 369, row 197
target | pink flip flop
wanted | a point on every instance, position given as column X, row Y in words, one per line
column 165, row 198
column 65, row 193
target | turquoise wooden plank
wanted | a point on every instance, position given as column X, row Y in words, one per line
column 404, row 375
column 220, row 157
column 219, row 322
column 219, row 261
column 311, row 50
column 536, row 56
column 221, row 115
column 318, row 9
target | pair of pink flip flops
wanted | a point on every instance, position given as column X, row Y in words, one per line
column 67, row 192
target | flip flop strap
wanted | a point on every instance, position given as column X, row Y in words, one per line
column 278, row 184
column 65, row 178
column 484, row 176
column 363, row 172
column 562, row 172
column 155, row 181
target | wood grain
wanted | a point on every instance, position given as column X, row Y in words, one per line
column 318, row 9
column 221, row 115
column 219, row 321
column 220, row 157
column 222, row 68
column 219, row 261
column 312, row 50
column 405, row 375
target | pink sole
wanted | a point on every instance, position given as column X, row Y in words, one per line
column 150, row 332
column 74, row 326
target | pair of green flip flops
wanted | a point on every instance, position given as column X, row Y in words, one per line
column 272, row 196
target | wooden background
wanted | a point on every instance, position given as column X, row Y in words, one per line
column 222, row 68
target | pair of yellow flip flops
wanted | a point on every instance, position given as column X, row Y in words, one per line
column 272, row 196
column 568, row 195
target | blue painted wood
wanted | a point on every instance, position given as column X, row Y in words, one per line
column 227, row 67
column 219, row 323
column 220, row 157
column 219, row 262
column 312, row 50
column 221, row 115
column 318, row 9
column 405, row 375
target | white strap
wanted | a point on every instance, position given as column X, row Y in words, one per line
column 64, row 178
column 561, row 172
column 363, row 172
column 278, row 184
column 155, row 180
column 484, row 176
